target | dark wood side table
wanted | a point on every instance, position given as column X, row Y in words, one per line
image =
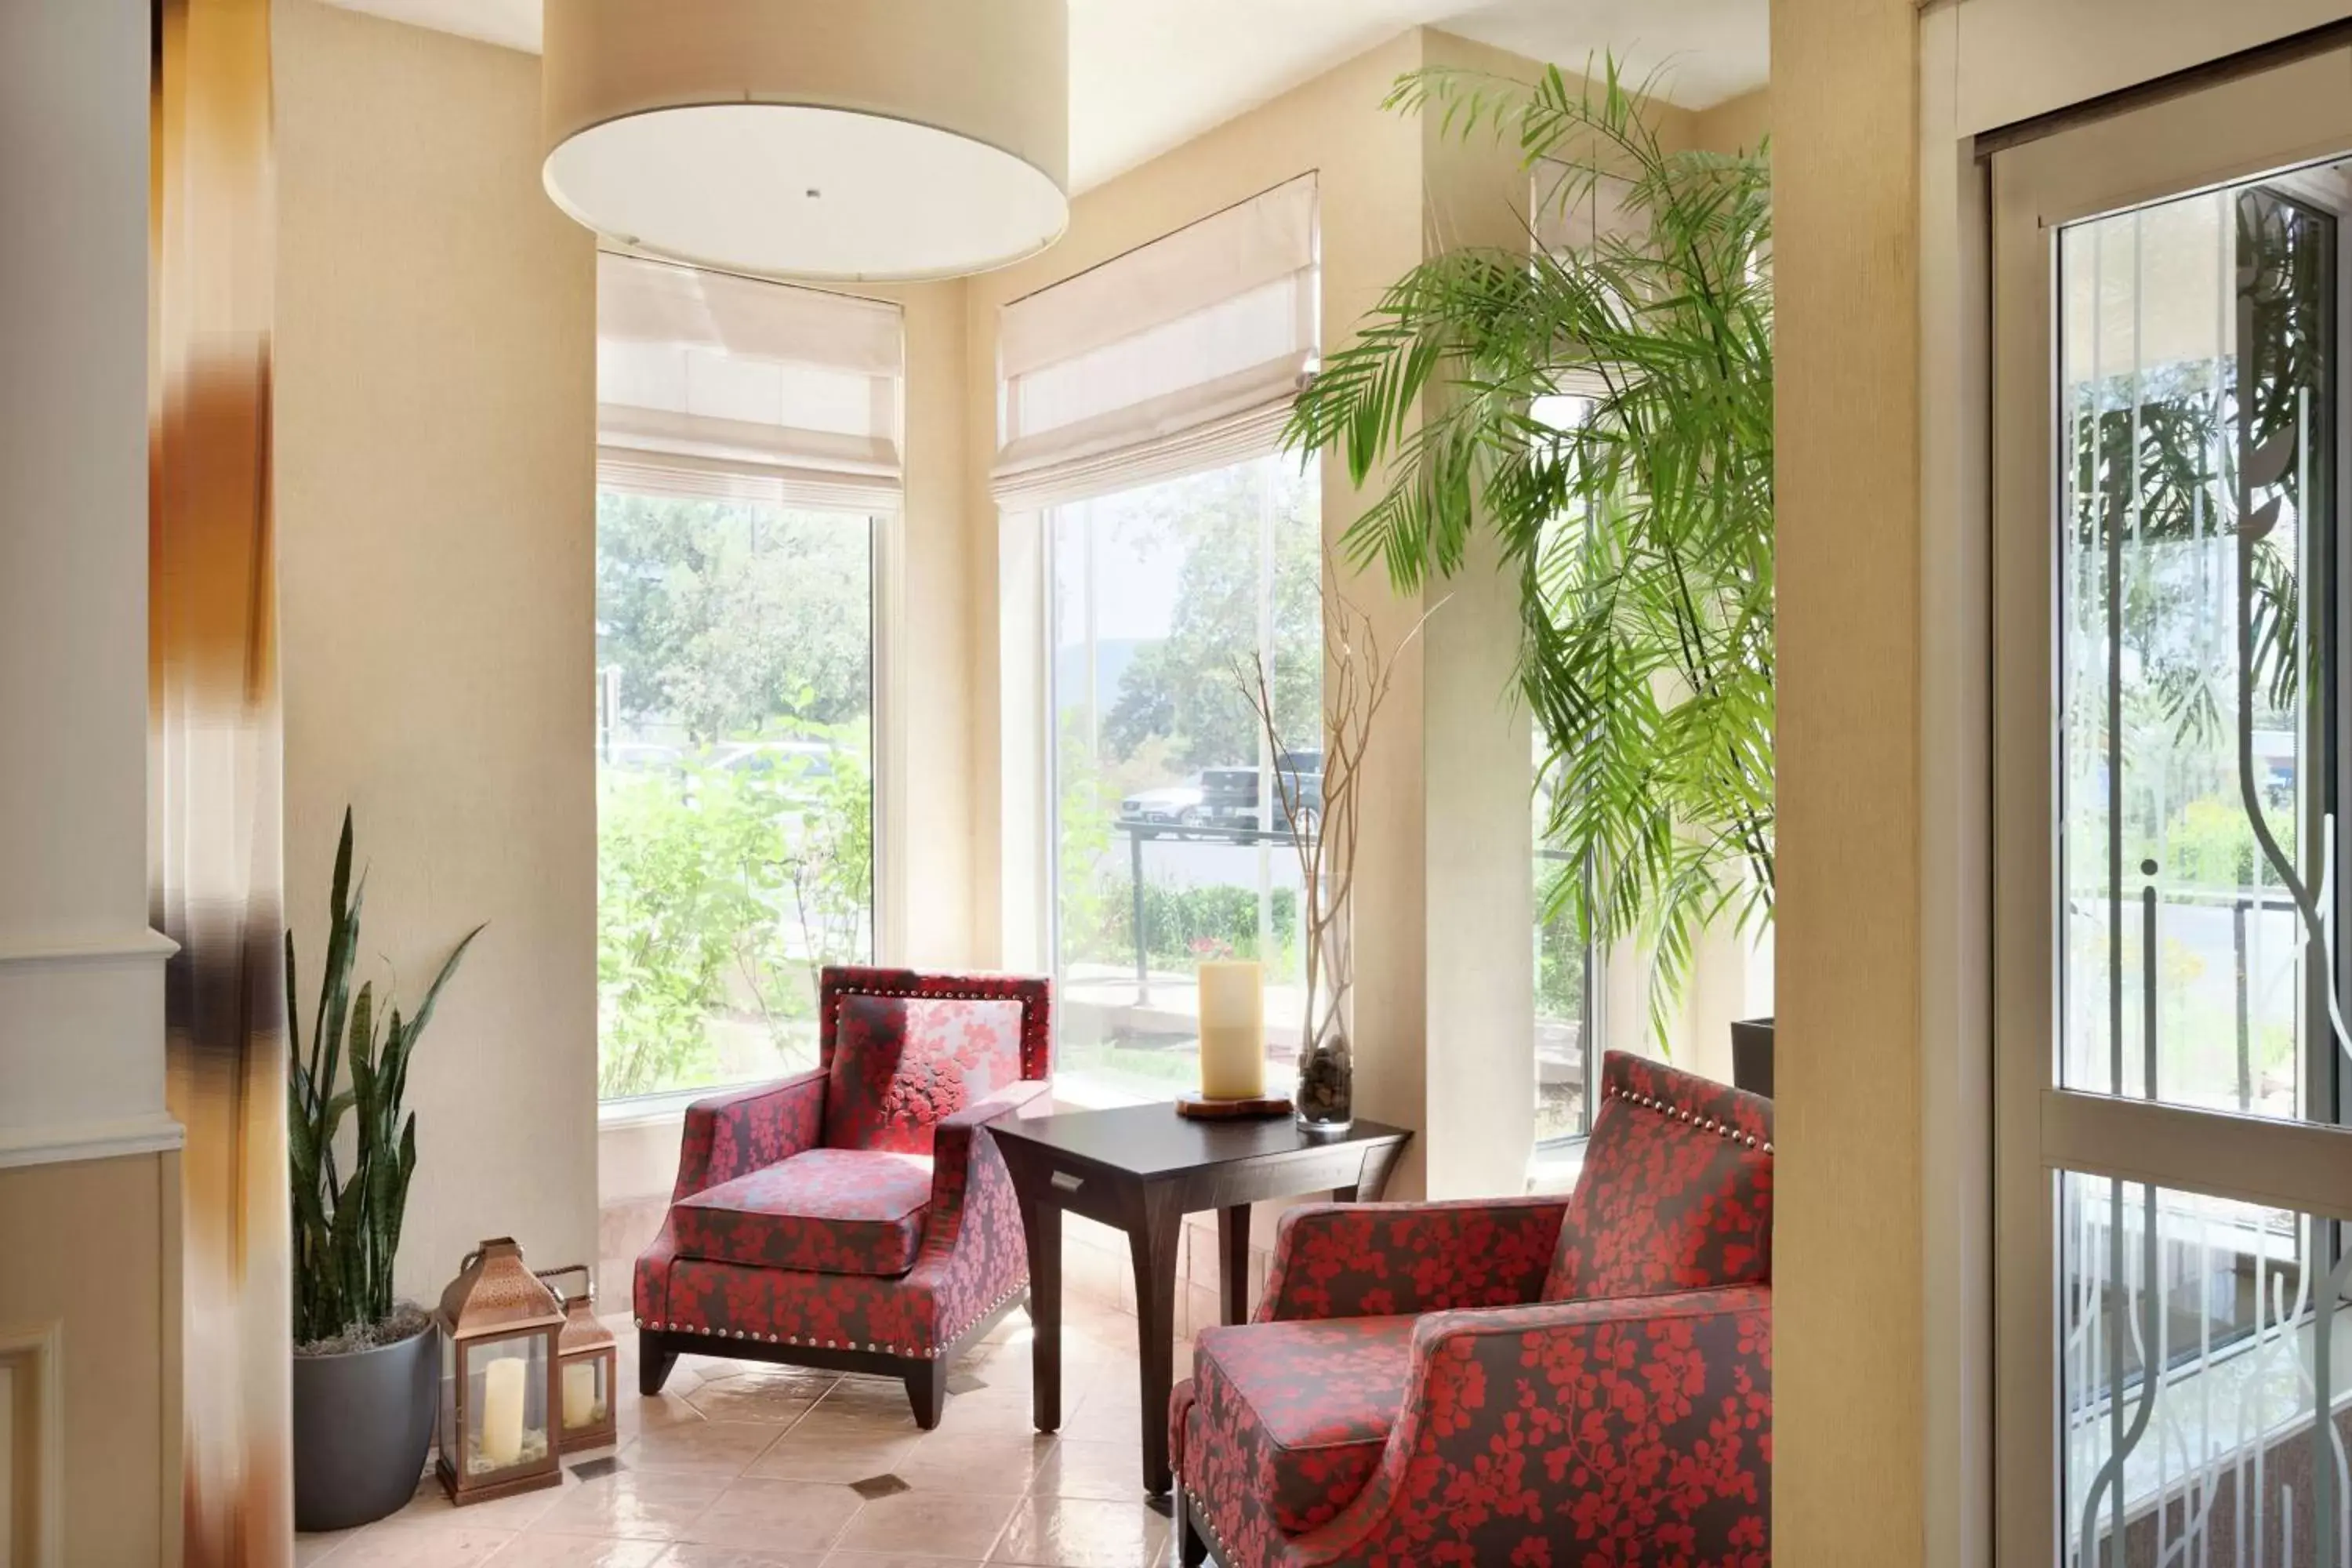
column 1141, row 1168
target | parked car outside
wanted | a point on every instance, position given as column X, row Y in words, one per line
column 1171, row 807
column 794, row 767
column 648, row 755
column 1229, row 795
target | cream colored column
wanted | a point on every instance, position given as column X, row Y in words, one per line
column 928, row 719
column 1478, row 865
column 1848, row 1360
column 81, row 1019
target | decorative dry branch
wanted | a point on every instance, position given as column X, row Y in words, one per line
column 1357, row 676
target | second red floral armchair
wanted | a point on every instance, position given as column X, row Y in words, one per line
column 1535, row 1380
column 854, row 1217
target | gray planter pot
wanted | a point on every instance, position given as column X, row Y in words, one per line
column 1751, row 1055
column 362, row 1423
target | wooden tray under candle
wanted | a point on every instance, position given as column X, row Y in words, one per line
column 1201, row 1109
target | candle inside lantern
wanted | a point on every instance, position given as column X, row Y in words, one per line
column 502, row 1390
column 579, row 1396
column 1233, row 1031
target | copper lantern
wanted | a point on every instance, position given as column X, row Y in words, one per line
column 497, row 1432
column 590, row 1361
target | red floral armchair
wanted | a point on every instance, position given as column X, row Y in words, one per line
column 853, row 1217
column 1522, row 1380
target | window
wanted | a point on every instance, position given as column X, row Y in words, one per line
column 734, row 775
column 1567, row 1037
column 2183, row 973
column 1164, row 598
column 747, row 446
column 1567, row 1062
column 1140, row 411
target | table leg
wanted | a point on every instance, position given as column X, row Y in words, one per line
column 1041, row 1226
column 1233, row 1262
column 1380, row 1159
column 1153, row 1232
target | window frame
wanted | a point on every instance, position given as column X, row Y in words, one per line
column 882, row 826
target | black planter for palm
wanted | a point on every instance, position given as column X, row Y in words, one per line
column 362, row 1426
column 1751, row 1055
column 362, row 1418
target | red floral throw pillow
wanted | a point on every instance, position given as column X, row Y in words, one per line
column 902, row 1065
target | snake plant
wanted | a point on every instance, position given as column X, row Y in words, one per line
column 350, row 1192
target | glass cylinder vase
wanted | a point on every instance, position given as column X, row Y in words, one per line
column 1325, row 1100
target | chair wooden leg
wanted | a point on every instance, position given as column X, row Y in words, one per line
column 927, row 1391
column 654, row 1364
column 1191, row 1550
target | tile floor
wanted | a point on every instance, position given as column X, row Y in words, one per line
column 738, row 1464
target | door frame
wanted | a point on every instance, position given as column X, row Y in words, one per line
column 2205, row 136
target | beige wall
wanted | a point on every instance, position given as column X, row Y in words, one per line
column 1847, row 1351
column 2011, row 60
column 435, row 374
column 1735, row 125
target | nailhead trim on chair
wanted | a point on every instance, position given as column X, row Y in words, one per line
column 1704, row 1124
column 927, row 1353
column 1198, row 1518
column 1033, row 1030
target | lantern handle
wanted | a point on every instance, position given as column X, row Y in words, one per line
column 548, row 1276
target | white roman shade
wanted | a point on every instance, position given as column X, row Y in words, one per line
column 710, row 385
column 1183, row 354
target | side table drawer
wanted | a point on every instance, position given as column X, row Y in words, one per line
column 1077, row 1189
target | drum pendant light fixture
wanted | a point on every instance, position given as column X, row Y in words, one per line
column 817, row 139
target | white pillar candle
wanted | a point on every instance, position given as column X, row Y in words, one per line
column 579, row 1395
column 1233, row 1031
column 503, row 1389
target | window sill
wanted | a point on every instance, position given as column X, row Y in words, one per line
column 649, row 1111
column 1080, row 1092
column 1553, row 1168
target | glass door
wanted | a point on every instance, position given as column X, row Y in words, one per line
column 2174, row 1346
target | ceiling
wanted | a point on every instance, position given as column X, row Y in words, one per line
column 1145, row 75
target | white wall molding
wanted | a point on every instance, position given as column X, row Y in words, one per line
column 81, row 1011
column 138, row 944
column 32, row 1437
column 154, row 1132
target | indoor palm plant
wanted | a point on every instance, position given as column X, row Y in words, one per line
column 1606, row 410
column 365, row 1371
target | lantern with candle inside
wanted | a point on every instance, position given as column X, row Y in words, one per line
column 1232, row 1031
column 498, row 1432
column 587, row 1359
